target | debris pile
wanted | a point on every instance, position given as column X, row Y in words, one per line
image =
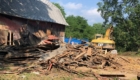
column 69, row 58
column 73, row 55
column 85, row 56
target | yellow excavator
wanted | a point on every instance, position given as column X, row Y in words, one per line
column 104, row 42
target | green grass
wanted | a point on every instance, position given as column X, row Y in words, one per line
column 30, row 76
column 131, row 54
column 4, row 68
column 58, row 75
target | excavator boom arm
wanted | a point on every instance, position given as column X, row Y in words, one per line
column 108, row 32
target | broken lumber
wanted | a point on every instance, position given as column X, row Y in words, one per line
column 79, row 55
column 89, row 51
column 112, row 75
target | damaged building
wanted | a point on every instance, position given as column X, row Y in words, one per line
column 30, row 22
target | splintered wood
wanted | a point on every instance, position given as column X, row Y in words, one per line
column 84, row 60
column 80, row 55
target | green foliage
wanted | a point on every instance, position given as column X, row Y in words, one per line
column 125, row 15
column 98, row 28
column 79, row 28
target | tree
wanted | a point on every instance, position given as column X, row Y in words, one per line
column 98, row 28
column 78, row 28
column 125, row 15
column 61, row 9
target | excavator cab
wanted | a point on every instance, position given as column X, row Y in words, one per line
column 104, row 42
column 98, row 36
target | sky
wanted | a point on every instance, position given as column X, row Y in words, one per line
column 84, row 8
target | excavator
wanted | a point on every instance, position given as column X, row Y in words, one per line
column 105, row 42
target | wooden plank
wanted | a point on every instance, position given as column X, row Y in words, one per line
column 89, row 51
column 6, row 72
column 124, row 59
column 103, row 64
column 48, row 32
column 80, row 55
column 64, row 54
column 112, row 75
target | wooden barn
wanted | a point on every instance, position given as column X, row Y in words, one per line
column 37, row 15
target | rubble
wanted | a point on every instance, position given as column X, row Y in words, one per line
column 42, row 58
column 85, row 56
column 65, row 58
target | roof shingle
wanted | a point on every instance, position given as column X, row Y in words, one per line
column 41, row 10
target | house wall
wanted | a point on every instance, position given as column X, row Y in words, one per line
column 13, row 24
column 6, row 27
column 49, row 28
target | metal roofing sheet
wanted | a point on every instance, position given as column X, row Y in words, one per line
column 42, row 10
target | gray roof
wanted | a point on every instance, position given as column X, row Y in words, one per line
column 42, row 10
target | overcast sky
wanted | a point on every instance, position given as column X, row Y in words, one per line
column 84, row 8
